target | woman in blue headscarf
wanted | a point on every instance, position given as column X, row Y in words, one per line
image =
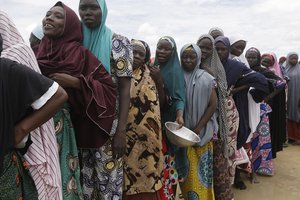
column 103, row 166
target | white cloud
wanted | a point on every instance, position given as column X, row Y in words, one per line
column 147, row 29
column 269, row 25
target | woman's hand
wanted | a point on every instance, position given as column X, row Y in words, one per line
column 179, row 118
column 119, row 144
column 66, row 80
column 197, row 130
column 155, row 74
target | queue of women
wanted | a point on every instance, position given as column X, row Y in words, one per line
column 83, row 111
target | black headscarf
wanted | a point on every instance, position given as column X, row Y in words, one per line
column 258, row 68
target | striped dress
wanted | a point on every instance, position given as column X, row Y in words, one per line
column 42, row 155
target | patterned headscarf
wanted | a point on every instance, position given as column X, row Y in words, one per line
column 99, row 40
column 215, row 65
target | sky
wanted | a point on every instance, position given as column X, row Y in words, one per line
column 269, row 25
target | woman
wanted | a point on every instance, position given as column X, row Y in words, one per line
column 167, row 68
column 200, row 107
column 115, row 52
column 35, row 37
column 62, row 57
column 278, row 105
column 238, row 44
column 42, row 155
column 28, row 100
column 293, row 104
column 238, row 75
column 261, row 142
column 228, row 120
column 216, row 32
column 143, row 161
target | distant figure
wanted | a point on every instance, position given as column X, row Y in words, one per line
column 216, row 32
column 293, row 104
column 278, row 105
column 36, row 36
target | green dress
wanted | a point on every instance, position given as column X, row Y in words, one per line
column 16, row 181
column 68, row 155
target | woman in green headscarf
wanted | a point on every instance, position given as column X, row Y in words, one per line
column 167, row 67
column 103, row 165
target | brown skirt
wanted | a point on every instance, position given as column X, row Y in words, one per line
column 142, row 196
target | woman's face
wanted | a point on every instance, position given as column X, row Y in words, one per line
column 293, row 59
column 222, row 50
column 163, row 51
column 252, row 58
column 54, row 22
column 90, row 13
column 206, row 47
column 267, row 61
column 139, row 56
column 189, row 60
column 238, row 48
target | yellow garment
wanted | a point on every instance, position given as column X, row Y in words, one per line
column 199, row 182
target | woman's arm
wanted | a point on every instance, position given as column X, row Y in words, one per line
column 238, row 89
column 119, row 140
column 155, row 74
column 66, row 80
column 40, row 116
column 179, row 118
column 270, row 96
column 210, row 110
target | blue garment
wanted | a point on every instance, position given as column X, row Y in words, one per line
column 238, row 74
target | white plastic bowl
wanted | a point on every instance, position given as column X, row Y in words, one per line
column 182, row 137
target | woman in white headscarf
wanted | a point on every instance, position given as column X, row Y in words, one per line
column 238, row 44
